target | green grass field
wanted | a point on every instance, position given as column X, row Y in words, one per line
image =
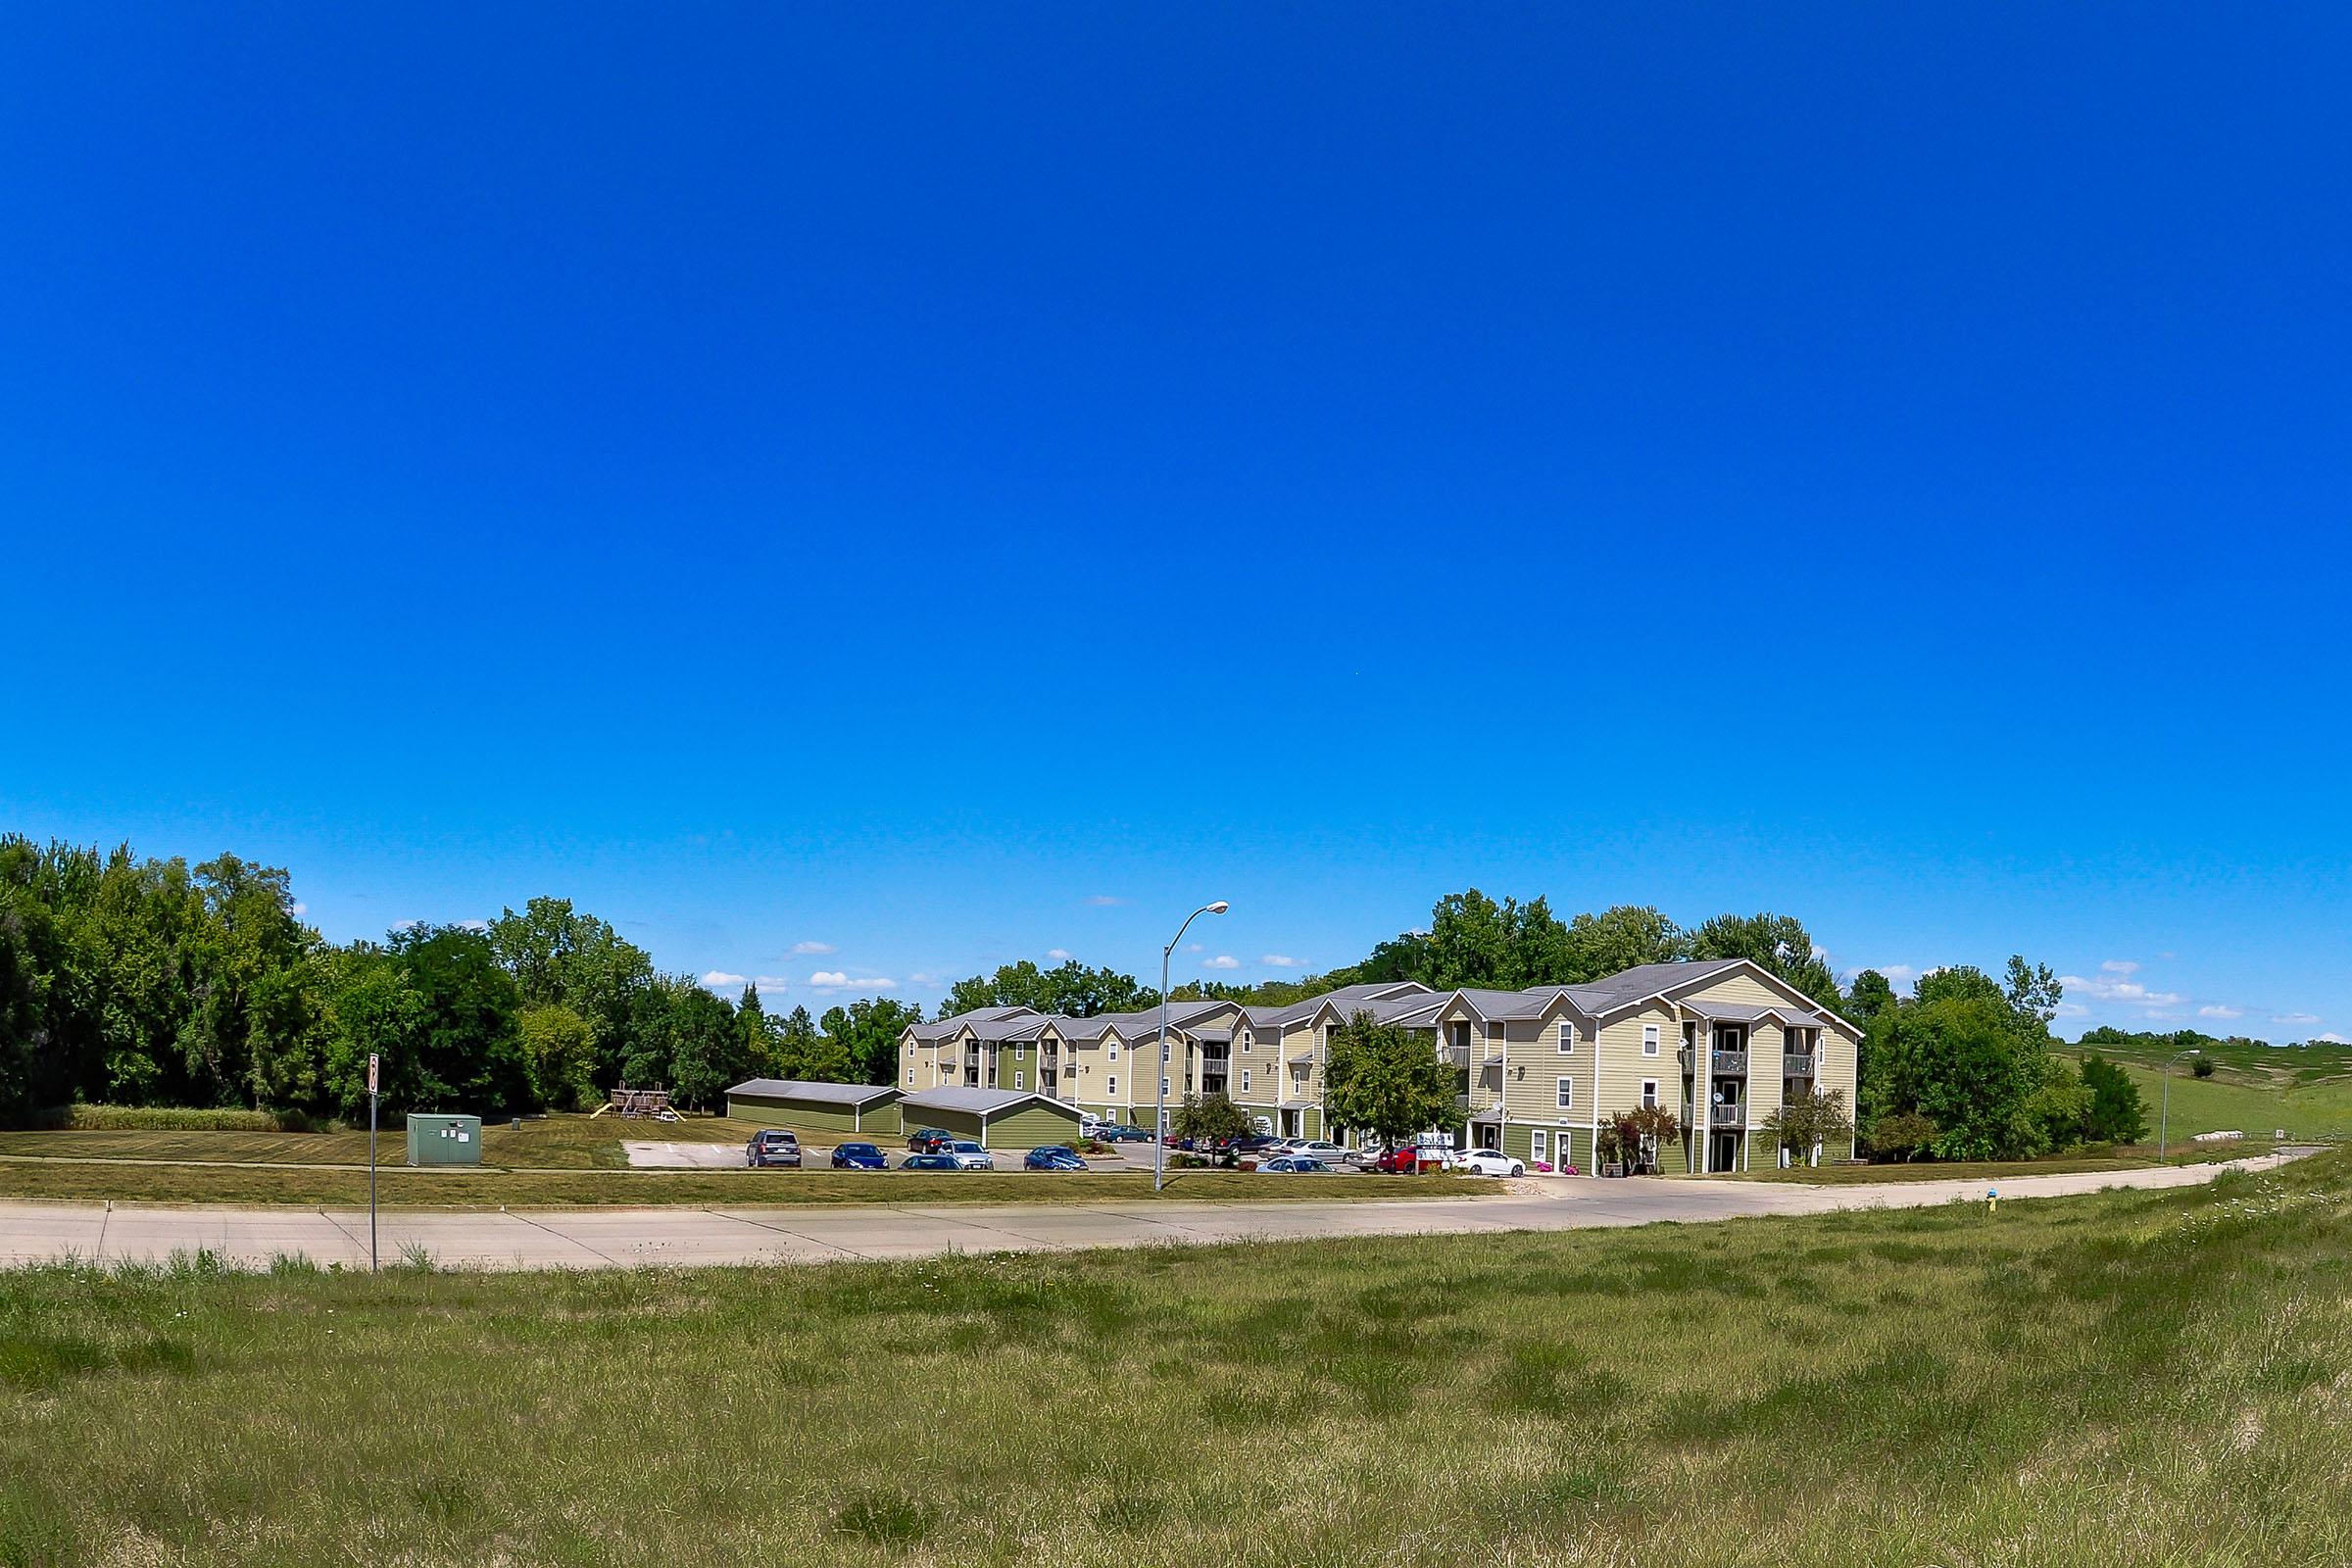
column 2138, row 1157
column 2307, row 1093
column 557, row 1143
column 2130, row 1378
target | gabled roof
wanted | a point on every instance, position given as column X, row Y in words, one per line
column 1344, row 1001
column 987, row 1102
column 977, row 1017
column 808, row 1089
column 1749, row 1012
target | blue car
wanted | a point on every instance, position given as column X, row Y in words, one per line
column 929, row 1162
column 1056, row 1157
column 858, row 1156
column 1120, row 1133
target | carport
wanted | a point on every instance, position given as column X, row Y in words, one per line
column 814, row 1108
column 993, row 1118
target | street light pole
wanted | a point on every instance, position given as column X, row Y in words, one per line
column 1159, row 1099
column 2163, row 1117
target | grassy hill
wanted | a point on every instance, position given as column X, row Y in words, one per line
column 2128, row 1377
column 2256, row 1088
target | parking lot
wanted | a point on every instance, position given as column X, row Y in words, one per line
column 817, row 1151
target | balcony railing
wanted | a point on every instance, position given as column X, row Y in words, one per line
column 1724, row 1118
column 1730, row 1063
column 1796, row 1064
column 1476, row 1105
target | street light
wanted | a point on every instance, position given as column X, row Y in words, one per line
column 1159, row 1099
column 2164, row 1118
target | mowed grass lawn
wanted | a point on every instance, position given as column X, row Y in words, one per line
column 562, row 1142
column 2248, row 1100
column 2128, row 1377
column 1925, row 1170
column 466, row 1188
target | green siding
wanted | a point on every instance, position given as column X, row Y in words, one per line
column 1033, row 1126
column 1574, row 1146
column 812, row 1117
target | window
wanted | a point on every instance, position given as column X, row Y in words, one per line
column 1244, row 1042
column 1019, row 1080
column 1163, row 1051
column 1535, row 1144
column 1114, row 1051
column 1567, row 1037
column 1649, row 1040
column 1111, row 1086
column 1021, row 1051
column 1245, row 1080
column 1567, row 1094
column 1649, row 1093
column 1163, row 1086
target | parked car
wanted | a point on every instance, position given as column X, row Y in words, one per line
column 1491, row 1163
column 1089, row 1125
column 929, row 1140
column 1317, row 1149
column 1056, row 1157
column 858, row 1156
column 1257, row 1144
column 772, row 1146
column 1408, row 1158
column 1295, row 1165
column 929, row 1162
column 969, row 1155
column 1117, row 1131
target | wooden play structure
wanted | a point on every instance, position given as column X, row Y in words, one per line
column 635, row 1104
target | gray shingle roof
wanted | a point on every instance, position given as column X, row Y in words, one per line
column 823, row 1094
column 953, row 1097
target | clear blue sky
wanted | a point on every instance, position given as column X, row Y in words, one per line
column 944, row 486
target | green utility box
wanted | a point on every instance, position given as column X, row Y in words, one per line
column 445, row 1140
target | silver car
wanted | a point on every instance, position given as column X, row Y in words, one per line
column 969, row 1155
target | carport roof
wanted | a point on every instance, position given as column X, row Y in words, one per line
column 987, row 1102
column 802, row 1089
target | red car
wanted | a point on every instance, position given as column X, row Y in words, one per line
column 1404, row 1161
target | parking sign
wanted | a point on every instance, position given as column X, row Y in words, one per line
column 372, row 1072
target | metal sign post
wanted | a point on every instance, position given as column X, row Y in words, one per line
column 372, row 1162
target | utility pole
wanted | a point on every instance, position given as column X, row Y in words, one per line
column 372, row 1080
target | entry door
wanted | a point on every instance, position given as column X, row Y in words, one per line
column 1289, row 1124
column 1489, row 1137
column 1727, row 1152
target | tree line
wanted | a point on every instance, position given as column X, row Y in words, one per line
column 151, row 982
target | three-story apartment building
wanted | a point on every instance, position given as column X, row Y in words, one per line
column 1722, row 1043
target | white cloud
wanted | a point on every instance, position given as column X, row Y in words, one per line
column 2214, row 1009
column 811, row 950
column 1223, row 960
column 406, row 925
column 474, row 925
column 836, row 980
column 1104, row 901
column 918, row 978
column 2334, row 1038
column 1194, row 946
column 1058, row 954
column 2120, row 966
column 2071, row 1010
column 772, row 981
column 2124, row 993
column 721, row 980
column 299, row 910
column 2296, row 1018
column 1280, row 961
column 1893, row 971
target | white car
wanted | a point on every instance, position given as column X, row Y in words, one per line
column 1487, row 1162
column 969, row 1155
column 1317, row 1149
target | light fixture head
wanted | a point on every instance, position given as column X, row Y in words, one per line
column 1219, row 908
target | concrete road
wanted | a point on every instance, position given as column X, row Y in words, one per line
column 626, row 1238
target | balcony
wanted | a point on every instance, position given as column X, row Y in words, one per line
column 1489, row 1055
column 1796, row 1064
column 1724, row 1118
column 1477, row 1104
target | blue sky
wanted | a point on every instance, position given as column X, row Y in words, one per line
column 860, row 494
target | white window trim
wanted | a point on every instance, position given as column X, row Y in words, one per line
column 1245, row 1080
column 1163, row 1086
column 1565, row 1094
column 1567, row 1037
column 1110, row 1086
column 1649, row 1090
column 1114, row 1051
column 1649, row 1040
column 1539, row 1146
column 1020, row 1081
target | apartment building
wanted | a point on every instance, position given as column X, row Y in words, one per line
column 1724, row 1042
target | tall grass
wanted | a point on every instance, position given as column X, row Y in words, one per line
column 2133, row 1378
column 171, row 1118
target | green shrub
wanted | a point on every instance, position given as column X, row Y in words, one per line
column 176, row 1119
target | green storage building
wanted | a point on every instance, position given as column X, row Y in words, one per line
column 993, row 1118
column 814, row 1108
column 438, row 1140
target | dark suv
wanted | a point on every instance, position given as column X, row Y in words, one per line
column 772, row 1146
